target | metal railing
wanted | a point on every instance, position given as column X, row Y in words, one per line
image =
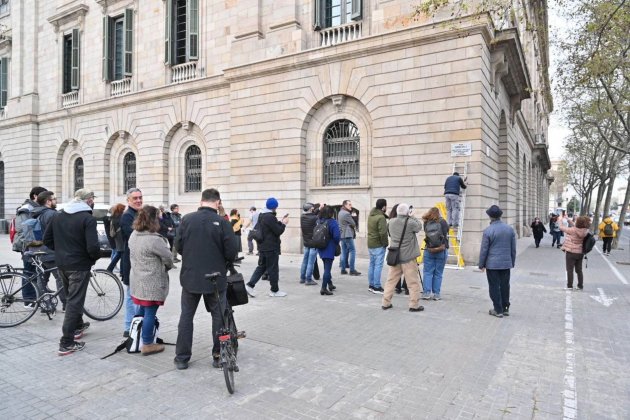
column 120, row 87
column 70, row 99
column 340, row 34
column 184, row 72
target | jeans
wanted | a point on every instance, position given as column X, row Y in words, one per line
column 452, row 208
column 28, row 290
column 377, row 256
column 267, row 261
column 433, row 271
column 327, row 277
column 556, row 238
column 116, row 256
column 308, row 263
column 347, row 249
column 189, row 303
column 607, row 244
column 574, row 261
column 250, row 245
column 499, row 288
column 76, row 283
column 148, row 323
column 130, row 308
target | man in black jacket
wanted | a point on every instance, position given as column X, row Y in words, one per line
column 72, row 235
column 268, row 248
column 308, row 220
column 452, row 188
column 206, row 242
column 134, row 203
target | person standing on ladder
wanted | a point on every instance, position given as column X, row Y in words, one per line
column 452, row 188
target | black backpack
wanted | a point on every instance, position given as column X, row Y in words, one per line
column 434, row 237
column 321, row 235
column 588, row 243
column 608, row 229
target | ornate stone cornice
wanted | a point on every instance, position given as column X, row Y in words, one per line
column 509, row 66
column 75, row 13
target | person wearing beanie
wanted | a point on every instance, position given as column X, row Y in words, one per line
column 269, row 248
column 497, row 257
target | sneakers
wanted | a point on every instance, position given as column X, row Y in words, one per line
column 506, row 312
column 29, row 305
column 310, row 283
column 437, row 297
column 302, row 281
column 426, row 296
column 250, row 290
column 181, row 364
column 354, row 273
column 344, row 272
column 418, row 309
column 494, row 313
column 216, row 362
column 76, row 346
column 371, row 289
column 277, row 294
column 78, row 333
column 387, row 307
column 378, row 290
column 148, row 349
column 325, row 292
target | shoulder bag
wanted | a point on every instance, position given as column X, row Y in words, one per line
column 393, row 253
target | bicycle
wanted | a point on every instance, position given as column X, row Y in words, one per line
column 104, row 296
column 228, row 336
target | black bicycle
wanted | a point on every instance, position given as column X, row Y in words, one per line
column 228, row 334
column 103, row 300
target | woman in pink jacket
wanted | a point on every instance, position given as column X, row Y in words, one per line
column 574, row 237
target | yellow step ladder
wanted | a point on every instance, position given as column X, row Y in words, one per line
column 454, row 250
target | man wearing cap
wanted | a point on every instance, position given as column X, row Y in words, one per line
column 268, row 248
column 452, row 188
column 308, row 220
column 497, row 257
column 72, row 234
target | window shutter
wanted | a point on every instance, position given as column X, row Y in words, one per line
column 128, row 43
column 107, row 51
column 318, row 15
column 357, row 7
column 74, row 79
column 192, row 29
column 4, row 64
column 168, row 30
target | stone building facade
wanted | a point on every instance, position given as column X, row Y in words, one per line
column 303, row 100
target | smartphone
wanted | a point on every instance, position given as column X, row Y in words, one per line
column 286, row 215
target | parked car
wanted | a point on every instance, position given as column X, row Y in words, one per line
column 100, row 213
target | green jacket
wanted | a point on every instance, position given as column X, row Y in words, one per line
column 377, row 229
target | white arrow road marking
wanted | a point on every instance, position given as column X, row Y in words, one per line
column 603, row 299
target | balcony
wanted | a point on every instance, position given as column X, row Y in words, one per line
column 340, row 34
column 70, row 99
column 120, row 87
column 184, row 72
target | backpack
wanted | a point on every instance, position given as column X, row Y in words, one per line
column 588, row 243
column 321, row 235
column 12, row 230
column 31, row 234
column 608, row 229
column 133, row 343
column 256, row 233
column 434, row 238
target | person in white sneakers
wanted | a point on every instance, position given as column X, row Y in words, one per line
column 269, row 248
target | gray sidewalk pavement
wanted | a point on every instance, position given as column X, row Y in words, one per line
column 559, row 354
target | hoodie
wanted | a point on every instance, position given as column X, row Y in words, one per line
column 72, row 235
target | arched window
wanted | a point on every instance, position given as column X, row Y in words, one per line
column 129, row 171
column 192, row 181
column 341, row 153
column 78, row 174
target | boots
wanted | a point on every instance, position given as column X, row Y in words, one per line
column 148, row 349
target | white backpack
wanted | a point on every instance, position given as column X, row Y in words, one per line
column 134, row 342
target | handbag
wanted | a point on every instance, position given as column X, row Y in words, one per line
column 393, row 254
column 337, row 250
column 236, row 293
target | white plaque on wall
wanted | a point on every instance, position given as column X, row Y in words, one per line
column 461, row 149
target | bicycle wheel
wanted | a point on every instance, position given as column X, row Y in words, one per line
column 104, row 296
column 14, row 309
column 227, row 363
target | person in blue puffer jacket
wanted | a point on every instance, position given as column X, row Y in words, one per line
column 328, row 254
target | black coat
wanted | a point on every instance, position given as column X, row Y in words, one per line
column 307, row 223
column 271, row 230
column 74, row 238
column 206, row 241
column 538, row 230
column 126, row 228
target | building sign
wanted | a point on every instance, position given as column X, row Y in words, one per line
column 461, row 149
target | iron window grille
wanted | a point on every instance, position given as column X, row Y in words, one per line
column 341, row 153
column 129, row 172
column 192, row 175
column 78, row 174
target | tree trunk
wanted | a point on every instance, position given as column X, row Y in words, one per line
column 622, row 215
column 598, row 203
column 609, row 193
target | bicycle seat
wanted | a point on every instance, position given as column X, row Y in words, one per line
column 212, row 276
column 35, row 253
